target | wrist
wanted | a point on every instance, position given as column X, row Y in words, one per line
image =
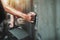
column 25, row 16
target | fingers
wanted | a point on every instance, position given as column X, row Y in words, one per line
column 32, row 13
column 31, row 17
column 31, row 21
column 11, row 25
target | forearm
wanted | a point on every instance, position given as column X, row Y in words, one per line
column 14, row 12
column 11, row 10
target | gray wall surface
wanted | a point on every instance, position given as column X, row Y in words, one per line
column 58, row 19
column 48, row 19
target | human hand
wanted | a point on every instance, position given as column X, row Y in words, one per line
column 31, row 17
column 11, row 25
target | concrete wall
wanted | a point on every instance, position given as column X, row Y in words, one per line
column 47, row 20
column 58, row 19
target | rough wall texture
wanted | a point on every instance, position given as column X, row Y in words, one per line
column 46, row 19
column 58, row 19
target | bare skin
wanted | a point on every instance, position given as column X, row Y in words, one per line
column 17, row 12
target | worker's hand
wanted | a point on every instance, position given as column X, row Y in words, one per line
column 31, row 16
column 11, row 24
